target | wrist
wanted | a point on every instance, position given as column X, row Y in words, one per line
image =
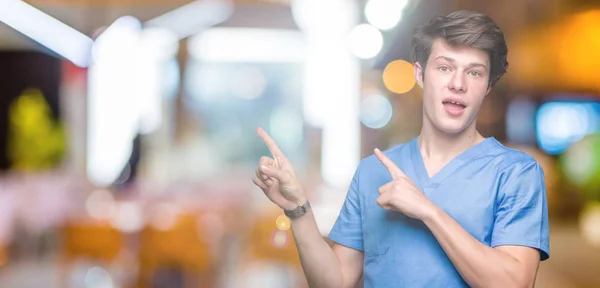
column 431, row 213
column 300, row 201
column 291, row 205
column 298, row 211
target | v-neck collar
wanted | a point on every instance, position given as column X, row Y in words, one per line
column 431, row 182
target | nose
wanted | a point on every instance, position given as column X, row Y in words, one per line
column 457, row 83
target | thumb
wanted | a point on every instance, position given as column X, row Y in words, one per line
column 384, row 200
column 275, row 172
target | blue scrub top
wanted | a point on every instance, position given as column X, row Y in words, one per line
column 495, row 193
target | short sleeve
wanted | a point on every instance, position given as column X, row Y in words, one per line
column 522, row 210
column 347, row 229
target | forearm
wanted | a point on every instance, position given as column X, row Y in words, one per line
column 478, row 264
column 320, row 264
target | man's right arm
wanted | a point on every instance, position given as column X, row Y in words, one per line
column 325, row 266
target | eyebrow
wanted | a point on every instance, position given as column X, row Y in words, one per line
column 471, row 65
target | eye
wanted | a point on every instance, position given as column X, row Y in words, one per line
column 444, row 68
column 474, row 73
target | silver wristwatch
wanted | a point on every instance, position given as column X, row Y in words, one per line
column 299, row 211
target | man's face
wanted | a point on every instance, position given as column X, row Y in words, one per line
column 455, row 84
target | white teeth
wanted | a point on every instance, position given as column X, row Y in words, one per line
column 454, row 102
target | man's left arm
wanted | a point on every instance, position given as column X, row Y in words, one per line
column 479, row 264
column 519, row 236
column 519, row 239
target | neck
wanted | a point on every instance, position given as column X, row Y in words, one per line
column 442, row 146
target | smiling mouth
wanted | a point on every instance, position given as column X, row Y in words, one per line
column 454, row 104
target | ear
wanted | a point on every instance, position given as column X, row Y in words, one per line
column 419, row 74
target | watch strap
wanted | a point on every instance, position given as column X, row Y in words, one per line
column 298, row 212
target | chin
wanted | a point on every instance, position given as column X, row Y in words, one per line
column 452, row 126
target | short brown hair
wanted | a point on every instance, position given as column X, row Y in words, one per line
column 464, row 28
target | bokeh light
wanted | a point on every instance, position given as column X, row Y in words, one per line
column 128, row 217
column 375, row 111
column 100, row 205
column 398, row 76
column 561, row 123
column 98, row 277
column 164, row 216
column 283, row 223
column 384, row 14
column 365, row 41
column 280, row 239
column 589, row 224
column 581, row 163
column 577, row 65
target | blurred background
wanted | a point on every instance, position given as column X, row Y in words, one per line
column 128, row 144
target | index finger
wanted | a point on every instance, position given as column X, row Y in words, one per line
column 269, row 142
column 394, row 170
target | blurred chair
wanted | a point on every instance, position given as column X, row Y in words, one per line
column 89, row 240
column 273, row 249
column 96, row 240
column 177, row 248
column 267, row 243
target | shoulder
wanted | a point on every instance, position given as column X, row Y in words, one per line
column 510, row 159
column 518, row 169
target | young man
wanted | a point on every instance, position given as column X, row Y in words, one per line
column 447, row 209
